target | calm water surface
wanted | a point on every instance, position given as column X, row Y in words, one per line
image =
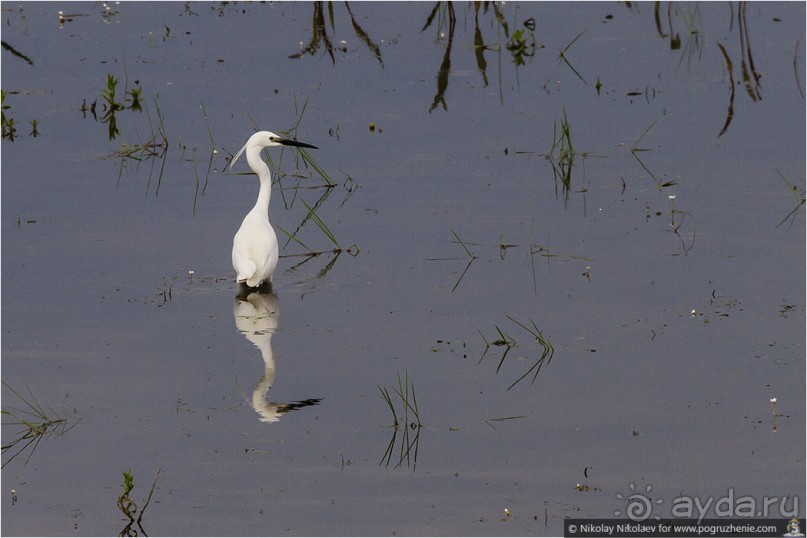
column 568, row 241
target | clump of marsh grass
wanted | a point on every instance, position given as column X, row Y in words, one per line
column 503, row 246
column 110, row 104
column 522, row 45
column 678, row 218
column 154, row 149
column 562, row 154
column 113, row 102
column 211, row 156
column 798, row 197
column 504, row 340
column 547, row 350
column 299, row 154
column 562, row 57
column 469, row 255
column 406, row 422
column 637, row 149
column 33, row 421
column 471, row 258
column 310, row 253
column 490, row 420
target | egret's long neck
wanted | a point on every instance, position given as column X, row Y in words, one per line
column 258, row 166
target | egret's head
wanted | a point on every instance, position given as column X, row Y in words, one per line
column 267, row 139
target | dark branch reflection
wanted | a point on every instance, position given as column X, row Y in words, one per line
column 750, row 75
column 319, row 32
column 320, row 37
column 445, row 65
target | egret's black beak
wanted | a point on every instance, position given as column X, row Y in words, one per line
column 295, row 143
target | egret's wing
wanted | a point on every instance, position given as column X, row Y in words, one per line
column 243, row 264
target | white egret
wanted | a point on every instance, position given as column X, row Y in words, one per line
column 255, row 247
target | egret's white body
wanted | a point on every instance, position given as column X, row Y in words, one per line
column 255, row 249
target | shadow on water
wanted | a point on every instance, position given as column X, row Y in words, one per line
column 256, row 316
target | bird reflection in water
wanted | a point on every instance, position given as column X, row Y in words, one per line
column 256, row 312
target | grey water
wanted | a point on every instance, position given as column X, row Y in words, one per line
column 561, row 245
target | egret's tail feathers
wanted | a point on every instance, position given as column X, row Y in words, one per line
column 245, row 271
column 255, row 281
